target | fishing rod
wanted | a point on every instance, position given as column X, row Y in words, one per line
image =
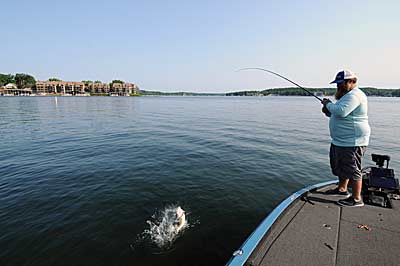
column 269, row 71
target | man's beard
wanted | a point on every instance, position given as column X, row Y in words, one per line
column 339, row 94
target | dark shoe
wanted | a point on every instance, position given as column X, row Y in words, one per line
column 350, row 202
column 337, row 193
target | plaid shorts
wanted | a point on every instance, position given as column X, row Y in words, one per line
column 346, row 161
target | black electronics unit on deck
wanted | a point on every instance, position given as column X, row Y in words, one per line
column 380, row 177
column 379, row 184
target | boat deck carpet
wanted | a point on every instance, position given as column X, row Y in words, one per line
column 315, row 230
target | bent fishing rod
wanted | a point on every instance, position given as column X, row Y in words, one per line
column 269, row 71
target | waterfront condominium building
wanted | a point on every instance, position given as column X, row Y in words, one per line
column 98, row 87
column 73, row 88
column 123, row 88
column 59, row 87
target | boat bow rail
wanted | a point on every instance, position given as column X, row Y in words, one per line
column 241, row 255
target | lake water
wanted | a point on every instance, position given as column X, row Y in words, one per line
column 83, row 178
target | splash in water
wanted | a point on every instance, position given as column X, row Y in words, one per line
column 165, row 226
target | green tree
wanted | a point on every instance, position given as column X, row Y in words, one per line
column 97, row 81
column 54, row 79
column 396, row 93
column 369, row 91
column 117, row 81
column 86, row 82
column 24, row 80
column 6, row 78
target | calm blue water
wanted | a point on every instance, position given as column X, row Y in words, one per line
column 79, row 177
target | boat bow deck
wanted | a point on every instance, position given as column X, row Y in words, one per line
column 314, row 230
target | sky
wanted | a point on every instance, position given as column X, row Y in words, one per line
column 198, row 46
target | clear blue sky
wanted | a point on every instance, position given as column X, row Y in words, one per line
column 198, row 45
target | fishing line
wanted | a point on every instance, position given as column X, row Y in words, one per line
column 279, row 75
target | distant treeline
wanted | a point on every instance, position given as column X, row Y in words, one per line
column 159, row 93
column 20, row 79
column 369, row 91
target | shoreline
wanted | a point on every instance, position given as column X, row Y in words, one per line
column 177, row 95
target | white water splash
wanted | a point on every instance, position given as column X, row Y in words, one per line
column 162, row 229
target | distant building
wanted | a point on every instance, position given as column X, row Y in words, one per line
column 12, row 89
column 74, row 88
column 98, row 88
column 59, row 87
column 10, row 86
column 124, row 89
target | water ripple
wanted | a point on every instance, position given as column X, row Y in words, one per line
column 79, row 177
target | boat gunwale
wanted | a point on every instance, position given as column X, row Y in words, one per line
column 252, row 241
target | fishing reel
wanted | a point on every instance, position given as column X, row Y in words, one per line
column 379, row 183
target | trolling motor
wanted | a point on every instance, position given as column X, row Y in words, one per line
column 380, row 159
column 379, row 183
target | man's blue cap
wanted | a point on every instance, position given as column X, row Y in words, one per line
column 343, row 75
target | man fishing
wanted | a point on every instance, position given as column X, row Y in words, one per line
column 350, row 132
